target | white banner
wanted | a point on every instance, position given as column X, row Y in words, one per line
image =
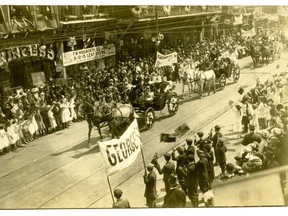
column 85, row 55
column 121, row 153
column 166, row 60
column 249, row 33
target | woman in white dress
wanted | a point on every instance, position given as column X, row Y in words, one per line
column 237, row 125
column 254, row 120
column 65, row 112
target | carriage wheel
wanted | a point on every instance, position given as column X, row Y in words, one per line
column 149, row 118
column 236, row 73
column 222, row 81
column 173, row 104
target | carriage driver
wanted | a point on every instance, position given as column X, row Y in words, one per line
column 100, row 107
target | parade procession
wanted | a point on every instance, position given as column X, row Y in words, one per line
column 143, row 106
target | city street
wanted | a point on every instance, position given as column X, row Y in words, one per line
column 59, row 171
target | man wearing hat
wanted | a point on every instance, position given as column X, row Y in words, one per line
column 200, row 143
column 181, row 159
column 190, row 149
column 191, row 180
column 215, row 139
column 150, row 190
column 251, row 137
column 202, row 169
column 220, row 154
column 167, row 170
column 176, row 198
column 121, row 202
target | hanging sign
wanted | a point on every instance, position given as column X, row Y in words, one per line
column 166, row 60
column 85, row 55
column 13, row 53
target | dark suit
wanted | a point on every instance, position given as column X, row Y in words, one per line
column 192, row 183
column 250, row 138
column 202, row 168
column 167, row 170
column 150, row 190
column 215, row 139
column 176, row 198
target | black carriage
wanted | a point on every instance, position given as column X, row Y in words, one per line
column 154, row 97
column 224, row 69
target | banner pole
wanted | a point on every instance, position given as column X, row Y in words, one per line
column 142, row 153
column 110, row 189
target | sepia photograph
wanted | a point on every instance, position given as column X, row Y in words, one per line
column 143, row 105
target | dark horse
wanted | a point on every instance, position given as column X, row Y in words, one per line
column 255, row 54
column 116, row 116
column 267, row 52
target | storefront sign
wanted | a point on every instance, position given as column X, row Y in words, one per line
column 10, row 54
column 166, row 60
column 85, row 55
column 121, row 153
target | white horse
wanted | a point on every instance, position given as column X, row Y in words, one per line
column 187, row 76
column 205, row 78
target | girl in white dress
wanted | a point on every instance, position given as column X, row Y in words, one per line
column 4, row 141
column 51, row 117
column 71, row 107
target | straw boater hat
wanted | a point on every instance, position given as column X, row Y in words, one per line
column 34, row 90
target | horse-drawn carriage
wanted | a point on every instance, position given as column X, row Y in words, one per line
column 217, row 72
column 224, row 69
column 154, row 97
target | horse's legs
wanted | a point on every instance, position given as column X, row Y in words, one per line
column 183, row 87
column 214, row 87
column 99, row 131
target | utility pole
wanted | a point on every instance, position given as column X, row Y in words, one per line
column 156, row 18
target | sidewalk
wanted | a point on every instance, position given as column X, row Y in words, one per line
column 134, row 188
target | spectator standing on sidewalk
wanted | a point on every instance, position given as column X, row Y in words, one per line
column 202, row 169
column 121, row 202
column 200, row 142
column 176, row 198
column 150, row 190
column 220, row 154
column 251, row 137
column 191, row 180
column 215, row 139
column 237, row 125
column 167, row 170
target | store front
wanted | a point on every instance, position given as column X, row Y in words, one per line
column 26, row 66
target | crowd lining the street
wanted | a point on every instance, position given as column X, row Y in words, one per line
column 260, row 121
column 41, row 110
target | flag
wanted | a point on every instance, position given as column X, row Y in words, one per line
column 240, row 91
column 121, row 153
column 167, row 137
column 182, row 129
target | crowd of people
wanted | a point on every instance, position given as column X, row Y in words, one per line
column 44, row 109
column 31, row 113
column 261, row 124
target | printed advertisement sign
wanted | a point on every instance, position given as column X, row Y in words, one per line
column 89, row 54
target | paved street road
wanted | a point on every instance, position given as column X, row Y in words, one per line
column 59, row 171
